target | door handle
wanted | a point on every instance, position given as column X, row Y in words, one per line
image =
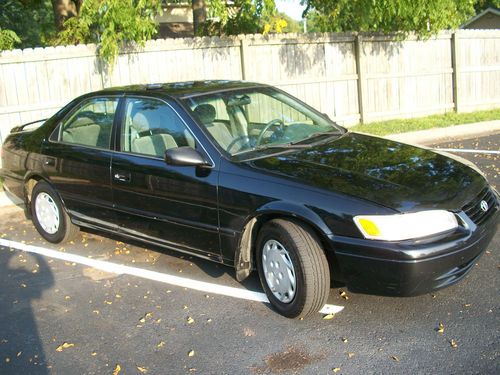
column 122, row 176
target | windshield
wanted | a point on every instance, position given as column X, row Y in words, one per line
column 245, row 120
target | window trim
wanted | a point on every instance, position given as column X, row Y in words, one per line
column 121, row 121
column 55, row 136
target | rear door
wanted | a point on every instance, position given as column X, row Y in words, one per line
column 77, row 159
column 175, row 206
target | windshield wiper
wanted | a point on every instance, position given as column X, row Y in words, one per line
column 292, row 145
column 331, row 132
column 289, row 145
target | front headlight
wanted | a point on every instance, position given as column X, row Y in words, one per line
column 405, row 226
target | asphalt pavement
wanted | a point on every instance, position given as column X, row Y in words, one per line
column 63, row 317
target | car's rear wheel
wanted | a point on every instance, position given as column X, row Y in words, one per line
column 49, row 217
column 292, row 267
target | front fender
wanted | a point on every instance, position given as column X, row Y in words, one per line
column 243, row 260
column 298, row 211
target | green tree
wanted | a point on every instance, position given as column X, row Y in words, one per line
column 314, row 22
column 292, row 26
column 31, row 20
column 112, row 25
column 424, row 17
column 485, row 4
column 8, row 39
column 244, row 17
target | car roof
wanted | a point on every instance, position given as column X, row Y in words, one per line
column 180, row 89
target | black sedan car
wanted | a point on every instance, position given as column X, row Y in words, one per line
column 248, row 176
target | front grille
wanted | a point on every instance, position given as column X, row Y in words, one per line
column 473, row 209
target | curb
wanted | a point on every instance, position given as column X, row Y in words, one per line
column 449, row 133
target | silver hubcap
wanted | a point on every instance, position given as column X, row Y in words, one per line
column 47, row 213
column 279, row 271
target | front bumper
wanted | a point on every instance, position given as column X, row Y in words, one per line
column 410, row 268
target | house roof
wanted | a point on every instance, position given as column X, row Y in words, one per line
column 477, row 16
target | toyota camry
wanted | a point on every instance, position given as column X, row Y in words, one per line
column 246, row 175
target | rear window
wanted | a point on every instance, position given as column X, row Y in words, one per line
column 91, row 124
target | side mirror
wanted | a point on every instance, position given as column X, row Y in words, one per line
column 185, row 156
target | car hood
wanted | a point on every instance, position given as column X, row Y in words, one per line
column 393, row 174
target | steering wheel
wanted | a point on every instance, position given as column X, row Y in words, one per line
column 275, row 122
column 233, row 143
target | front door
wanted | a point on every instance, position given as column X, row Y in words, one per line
column 175, row 206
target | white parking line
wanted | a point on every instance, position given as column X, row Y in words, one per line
column 468, row 151
column 121, row 269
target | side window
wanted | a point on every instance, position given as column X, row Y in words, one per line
column 91, row 124
column 151, row 127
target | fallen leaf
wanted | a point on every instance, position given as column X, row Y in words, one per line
column 453, row 344
column 328, row 316
column 395, row 358
column 336, row 369
column 343, row 294
column 117, row 370
column 191, row 353
column 142, row 369
column 248, row 332
column 440, row 328
column 161, row 344
column 190, row 320
column 64, row 345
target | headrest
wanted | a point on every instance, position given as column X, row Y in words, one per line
column 206, row 113
column 140, row 122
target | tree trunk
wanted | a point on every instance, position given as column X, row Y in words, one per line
column 199, row 15
column 64, row 9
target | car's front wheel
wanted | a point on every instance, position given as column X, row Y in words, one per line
column 292, row 267
column 49, row 217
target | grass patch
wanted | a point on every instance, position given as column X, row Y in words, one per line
column 1, row 183
column 429, row 122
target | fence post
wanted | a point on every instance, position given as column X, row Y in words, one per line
column 456, row 70
column 243, row 55
column 361, row 77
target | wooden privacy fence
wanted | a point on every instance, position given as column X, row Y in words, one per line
column 351, row 77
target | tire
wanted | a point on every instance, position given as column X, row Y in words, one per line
column 310, row 266
column 53, row 230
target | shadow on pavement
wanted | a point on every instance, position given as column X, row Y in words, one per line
column 21, row 349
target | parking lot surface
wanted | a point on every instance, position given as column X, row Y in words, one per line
column 63, row 317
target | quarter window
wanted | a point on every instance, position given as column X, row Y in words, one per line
column 91, row 125
column 151, row 127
